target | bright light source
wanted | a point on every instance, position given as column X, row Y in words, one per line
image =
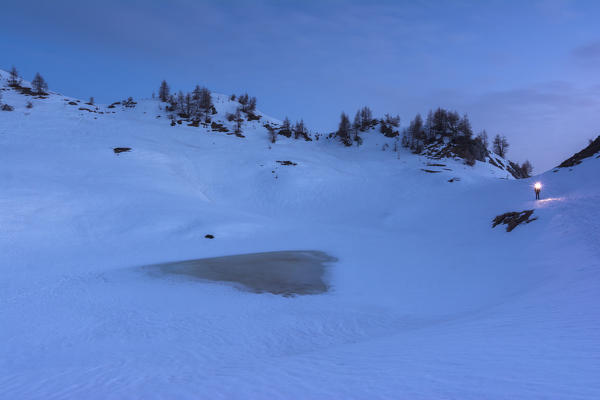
column 537, row 186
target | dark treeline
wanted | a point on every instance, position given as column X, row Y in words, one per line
column 349, row 133
column 246, row 110
column 297, row 130
column 444, row 131
column 456, row 133
column 195, row 106
column 39, row 87
column 442, row 126
column 441, row 133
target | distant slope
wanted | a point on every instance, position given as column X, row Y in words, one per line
column 591, row 150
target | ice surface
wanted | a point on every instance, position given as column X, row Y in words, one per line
column 279, row 272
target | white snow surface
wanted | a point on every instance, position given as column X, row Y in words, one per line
column 427, row 301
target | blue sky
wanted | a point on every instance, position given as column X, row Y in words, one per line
column 527, row 69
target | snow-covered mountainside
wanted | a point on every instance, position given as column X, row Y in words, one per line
column 256, row 124
column 426, row 300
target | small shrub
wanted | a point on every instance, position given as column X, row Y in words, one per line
column 6, row 107
column 252, row 117
column 129, row 103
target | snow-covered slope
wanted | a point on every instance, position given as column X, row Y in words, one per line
column 426, row 301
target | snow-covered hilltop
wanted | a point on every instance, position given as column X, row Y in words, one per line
column 426, row 300
column 237, row 115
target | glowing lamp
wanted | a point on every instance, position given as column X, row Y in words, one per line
column 537, row 186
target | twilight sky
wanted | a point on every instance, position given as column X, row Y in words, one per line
column 527, row 69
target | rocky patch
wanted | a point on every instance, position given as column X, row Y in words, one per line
column 286, row 162
column 216, row 127
column 513, row 219
column 589, row 151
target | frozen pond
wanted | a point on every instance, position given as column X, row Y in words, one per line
column 279, row 272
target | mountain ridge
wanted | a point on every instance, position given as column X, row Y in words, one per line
column 378, row 133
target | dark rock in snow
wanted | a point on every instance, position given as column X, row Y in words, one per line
column 216, row 127
column 513, row 219
column 286, row 162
